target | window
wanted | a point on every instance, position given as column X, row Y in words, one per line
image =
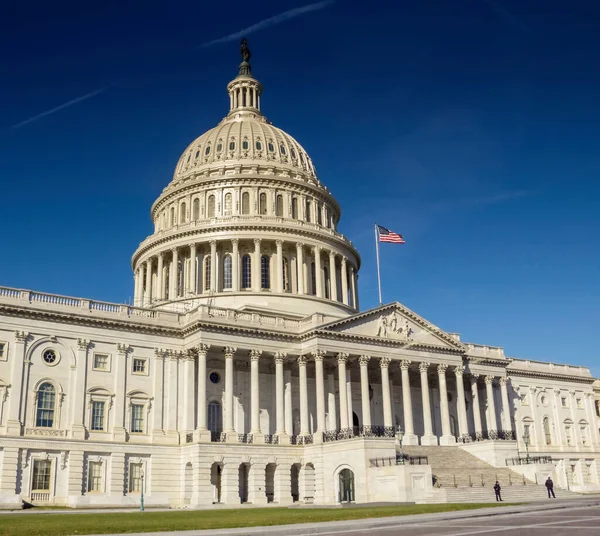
column 215, row 419
column 294, row 208
column 245, row 203
column 135, row 477
column 326, row 277
column 279, row 206
column 219, row 146
column 227, row 272
column 319, row 214
column 579, row 403
column 313, row 279
column 246, row 271
column 188, row 158
column 139, row 366
column 245, row 145
column 210, row 209
column 172, row 215
column 197, row 154
column 293, row 153
column 547, row 433
column 3, row 355
column 137, row 419
column 95, row 476
column 227, row 205
column 286, row 275
column 182, row 211
column 232, row 145
column 583, row 431
column 207, row 150
column 258, row 145
column 271, row 147
column 282, row 149
column 42, row 471
column 563, row 401
column 262, row 204
column 196, row 209
column 49, row 357
column 568, row 434
column 46, row 398
column 528, row 438
column 265, row 272
column 97, row 415
column 207, row 267
column 101, row 362
column 214, row 377
column 308, row 209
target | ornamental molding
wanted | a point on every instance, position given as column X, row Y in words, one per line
column 47, row 432
column 550, row 376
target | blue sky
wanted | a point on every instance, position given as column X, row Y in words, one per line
column 471, row 127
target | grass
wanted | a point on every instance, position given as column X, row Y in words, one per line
column 23, row 524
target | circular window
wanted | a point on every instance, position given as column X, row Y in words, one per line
column 214, row 377
column 49, row 357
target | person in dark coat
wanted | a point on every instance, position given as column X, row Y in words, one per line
column 497, row 489
column 550, row 488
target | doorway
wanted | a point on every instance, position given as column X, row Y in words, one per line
column 346, row 486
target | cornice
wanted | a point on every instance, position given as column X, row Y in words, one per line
column 207, row 327
column 549, row 376
column 488, row 361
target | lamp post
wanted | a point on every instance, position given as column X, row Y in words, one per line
column 142, row 492
column 526, row 441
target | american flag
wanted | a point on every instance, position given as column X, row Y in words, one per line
column 385, row 235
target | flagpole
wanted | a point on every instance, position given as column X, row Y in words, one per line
column 378, row 270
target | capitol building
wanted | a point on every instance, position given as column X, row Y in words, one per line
column 246, row 372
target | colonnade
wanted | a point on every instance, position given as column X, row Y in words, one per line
column 221, row 266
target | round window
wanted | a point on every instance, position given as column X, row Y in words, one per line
column 49, row 357
column 214, row 377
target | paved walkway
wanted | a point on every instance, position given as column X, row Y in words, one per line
column 579, row 517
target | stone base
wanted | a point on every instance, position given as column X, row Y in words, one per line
column 318, row 438
column 258, row 438
column 231, row 437
column 410, row 439
column 13, row 428
column 283, row 438
column 78, row 431
column 202, row 436
column 119, row 434
column 447, row 440
column 429, row 440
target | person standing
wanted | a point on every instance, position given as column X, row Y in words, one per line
column 550, row 488
column 497, row 489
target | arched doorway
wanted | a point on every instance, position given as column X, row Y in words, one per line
column 346, row 486
column 270, row 482
column 296, row 482
column 243, row 482
column 215, row 420
column 355, row 424
column 215, row 480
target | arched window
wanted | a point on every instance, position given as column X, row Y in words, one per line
column 583, row 430
column 569, row 432
column 282, row 149
column 210, row 211
column 547, row 433
column 245, row 203
column 245, row 144
column 182, row 211
column 279, row 206
column 207, row 274
column 207, row 150
column 295, row 208
column 232, row 144
column 262, row 204
column 265, row 272
column 326, row 277
column 528, row 435
column 196, row 209
column 215, row 419
column 46, row 400
column 308, row 209
column 227, row 205
column 313, row 279
column 271, row 147
column 319, row 214
column 172, row 216
column 258, row 145
column 227, row 272
column 246, row 271
column 219, row 146
column 286, row 275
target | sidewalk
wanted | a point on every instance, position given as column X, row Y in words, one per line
column 378, row 523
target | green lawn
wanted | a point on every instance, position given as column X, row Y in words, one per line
column 24, row 524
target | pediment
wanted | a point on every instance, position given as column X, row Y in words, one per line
column 394, row 322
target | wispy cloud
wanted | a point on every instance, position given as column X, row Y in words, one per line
column 271, row 21
column 61, row 107
column 508, row 16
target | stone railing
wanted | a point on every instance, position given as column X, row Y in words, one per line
column 494, row 435
column 359, row 431
column 400, row 459
column 527, row 460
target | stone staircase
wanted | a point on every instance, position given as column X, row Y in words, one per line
column 458, row 476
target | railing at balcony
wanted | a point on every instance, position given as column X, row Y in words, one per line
column 494, row 435
column 359, row 431
column 246, row 438
column 400, row 459
column 528, row 460
column 40, row 496
column 301, row 439
column 271, row 439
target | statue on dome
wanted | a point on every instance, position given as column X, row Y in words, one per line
column 245, row 51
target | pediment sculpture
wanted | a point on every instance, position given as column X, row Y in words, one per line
column 394, row 326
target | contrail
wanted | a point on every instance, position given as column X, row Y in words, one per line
column 272, row 21
column 61, row 107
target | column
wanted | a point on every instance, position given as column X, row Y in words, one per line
column 428, row 437
column 173, row 276
column 318, row 271
column 344, row 281
column 119, row 389
column 213, row 265
column 257, row 483
column 506, row 420
column 229, row 351
column 409, row 437
column 461, row 406
column 235, row 265
column 388, row 421
column 279, row 396
column 188, row 390
column 476, row 408
column 160, row 276
column 353, row 286
column 202, row 428
column 256, row 268
column 364, row 393
column 331, row 407
column 304, row 428
column 137, row 278
column 79, row 397
column 300, row 267
column 13, row 425
column 349, row 395
column 342, row 359
column 193, row 275
column 279, row 278
column 148, row 293
column 318, row 356
column 447, row 437
column 171, row 413
column 158, row 393
column 142, row 293
column 332, row 277
column 289, row 420
column 255, row 395
column 492, row 425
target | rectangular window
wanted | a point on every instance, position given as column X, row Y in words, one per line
column 568, row 434
column 139, row 366
column 42, row 470
column 3, row 355
column 579, row 403
column 95, row 476
column 135, row 477
column 563, row 401
column 137, row 419
column 98, row 415
column 101, row 362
